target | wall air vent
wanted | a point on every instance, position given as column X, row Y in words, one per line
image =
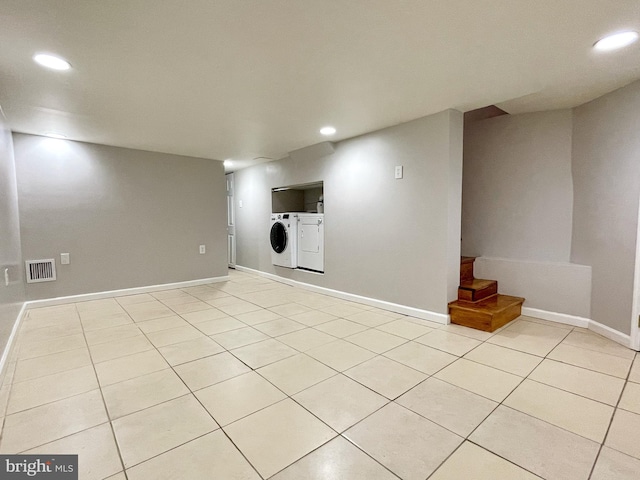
column 41, row 270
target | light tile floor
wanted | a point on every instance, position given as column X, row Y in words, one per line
column 252, row 379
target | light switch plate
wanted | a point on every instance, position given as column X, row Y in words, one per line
column 398, row 171
column 203, row 249
column 64, row 259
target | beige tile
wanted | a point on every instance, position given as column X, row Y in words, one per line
column 119, row 348
column 624, row 433
column 341, row 328
column 486, row 381
column 190, row 350
column 142, row 392
column 195, row 306
column 183, row 299
column 239, row 338
column 238, row 397
column 484, row 465
column 219, row 325
column 448, row 342
column 131, row 366
column 376, row 341
column 296, row 373
column 566, row 410
column 385, row 376
column 162, row 427
column 280, row 326
column 537, row 446
column 117, row 476
column 163, row 323
column 529, row 337
column 48, row 347
column 467, row 332
column 403, row 441
column 634, row 376
column 340, row 402
column 133, row 299
column 96, row 449
column 312, row 318
column 204, row 315
column 450, row 407
column 506, row 359
column 278, row 435
column 48, row 333
column 598, row 343
column 99, row 322
column 148, row 311
column 263, row 353
column 257, row 316
column 173, row 293
column 112, row 334
column 590, row 384
column 336, row 460
column 51, row 388
column 405, row 329
column 631, row 398
column 372, row 319
column 237, row 309
column 174, row 335
column 193, row 461
column 342, row 309
column 209, row 370
column 592, row 360
column 50, row 364
column 306, row 339
column 340, row 355
column 46, row 423
column 613, row 465
column 289, row 309
column 420, row 357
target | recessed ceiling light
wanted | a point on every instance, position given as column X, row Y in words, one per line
column 51, row 61
column 54, row 135
column 327, row 130
column 227, row 162
column 616, row 41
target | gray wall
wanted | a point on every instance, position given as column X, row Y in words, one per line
column 606, row 175
column 11, row 296
column 128, row 218
column 393, row 240
column 517, row 187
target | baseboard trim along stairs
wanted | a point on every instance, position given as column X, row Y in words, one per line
column 479, row 304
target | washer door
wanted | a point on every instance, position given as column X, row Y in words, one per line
column 278, row 237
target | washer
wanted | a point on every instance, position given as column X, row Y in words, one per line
column 284, row 239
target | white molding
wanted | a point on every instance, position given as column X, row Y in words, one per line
column 611, row 334
column 373, row 302
column 10, row 340
column 635, row 306
column 49, row 302
column 556, row 317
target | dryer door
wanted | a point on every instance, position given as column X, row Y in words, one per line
column 278, row 237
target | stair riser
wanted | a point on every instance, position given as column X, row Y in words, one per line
column 470, row 295
column 485, row 321
column 466, row 272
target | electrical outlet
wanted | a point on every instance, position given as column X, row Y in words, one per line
column 398, row 171
column 240, row 203
column 203, row 249
column 64, row 259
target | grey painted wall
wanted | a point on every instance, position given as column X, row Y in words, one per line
column 11, row 296
column 128, row 218
column 517, row 187
column 606, row 175
column 393, row 240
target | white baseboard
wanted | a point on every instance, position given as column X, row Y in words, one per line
column 556, row 317
column 49, row 302
column 10, row 340
column 611, row 334
column 599, row 328
column 373, row 302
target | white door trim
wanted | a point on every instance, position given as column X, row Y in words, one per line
column 635, row 309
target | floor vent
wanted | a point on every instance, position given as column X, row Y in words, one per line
column 41, row 270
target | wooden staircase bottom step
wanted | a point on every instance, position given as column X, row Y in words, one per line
column 488, row 314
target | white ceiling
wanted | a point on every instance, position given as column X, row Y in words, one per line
column 257, row 78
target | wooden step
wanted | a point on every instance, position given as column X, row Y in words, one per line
column 466, row 269
column 477, row 289
column 488, row 314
